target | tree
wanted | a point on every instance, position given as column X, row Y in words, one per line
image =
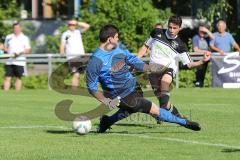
column 8, row 10
column 134, row 18
column 219, row 9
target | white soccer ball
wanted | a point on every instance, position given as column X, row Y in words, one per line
column 82, row 125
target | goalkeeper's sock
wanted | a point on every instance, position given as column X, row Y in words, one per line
column 167, row 116
column 119, row 115
column 174, row 111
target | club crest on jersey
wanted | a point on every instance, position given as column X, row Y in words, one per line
column 159, row 35
column 174, row 44
column 118, row 66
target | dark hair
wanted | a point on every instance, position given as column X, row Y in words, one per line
column 202, row 25
column 16, row 24
column 107, row 31
column 221, row 19
column 158, row 24
column 176, row 20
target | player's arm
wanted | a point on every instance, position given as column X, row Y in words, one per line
column 142, row 51
column 92, row 76
column 139, row 65
column 84, row 26
column 210, row 34
column 148, row 44
column 206, row 58
column 27, row 50
column 133, row 61
column 27, row 47
column 236, row 46
column 6, row 45
column 215, row 49
column 62, row 48
column 62, row 44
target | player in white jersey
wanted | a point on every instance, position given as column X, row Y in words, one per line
column 166, row 50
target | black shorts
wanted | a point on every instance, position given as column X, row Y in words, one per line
column 77, row 65
column 134, row 102
column 14, row 70
column 155, row 80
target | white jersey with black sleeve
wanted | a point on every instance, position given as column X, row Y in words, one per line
column 165, row 51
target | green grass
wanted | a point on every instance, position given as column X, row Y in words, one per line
column 30, row 130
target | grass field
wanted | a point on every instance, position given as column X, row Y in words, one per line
column 30, row 130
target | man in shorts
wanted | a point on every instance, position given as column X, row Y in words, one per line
column 18, row 44
column 72, row 46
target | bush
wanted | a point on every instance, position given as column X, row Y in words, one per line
column 134, row 18
column 35, row 82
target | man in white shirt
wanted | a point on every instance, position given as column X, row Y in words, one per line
column 72, row 46
column 18, row 44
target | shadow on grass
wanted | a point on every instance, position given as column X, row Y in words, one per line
column 230, row 150
column 147, row 132
column 145, row 125
column 59, row 131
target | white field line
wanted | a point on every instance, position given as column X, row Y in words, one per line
column 131, row 135
column 203, row 104
column 179, row 140
column 33, row 126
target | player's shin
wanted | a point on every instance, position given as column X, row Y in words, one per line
column 119, row 115
column 162, row 114
column 164, row 103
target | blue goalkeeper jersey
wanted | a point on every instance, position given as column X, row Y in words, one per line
column 111, row 71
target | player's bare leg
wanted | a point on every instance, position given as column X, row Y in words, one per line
column 165, row 95
column 75, row 78
column 7, row 83
column 18, row 84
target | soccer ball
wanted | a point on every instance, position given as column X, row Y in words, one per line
column 82, row 125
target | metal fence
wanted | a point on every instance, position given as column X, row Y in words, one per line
column 51, row 58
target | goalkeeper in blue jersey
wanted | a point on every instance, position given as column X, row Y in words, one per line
column 108, row 66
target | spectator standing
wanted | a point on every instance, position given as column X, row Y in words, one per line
column 18, row 44
column 223, row 41
column 72, row 46
column 201, row 45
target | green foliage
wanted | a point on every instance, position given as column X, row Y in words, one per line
column 190, row 46
column 217, row 10
column 164, row 15
column 53, row 41
column 8, row 10
column 35, row 82
column 134, row 18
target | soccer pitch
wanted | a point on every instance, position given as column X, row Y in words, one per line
column 30, row 130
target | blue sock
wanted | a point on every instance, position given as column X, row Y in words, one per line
column 167, row 116
column 120, row 114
